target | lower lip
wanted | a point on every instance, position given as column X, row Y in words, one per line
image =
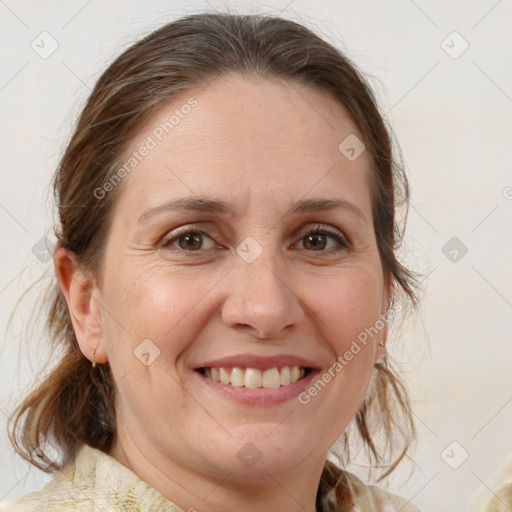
column 260, row 396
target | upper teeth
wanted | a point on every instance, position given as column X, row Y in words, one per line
column 255, row 378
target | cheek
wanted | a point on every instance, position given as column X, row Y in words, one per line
column 155, row 310
column 152, row 319
column 345, row 309
column 345, row 303
column 348, row 310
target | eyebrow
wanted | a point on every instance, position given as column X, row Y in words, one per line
column 219, row 207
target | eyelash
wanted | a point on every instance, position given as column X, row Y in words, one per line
column 168, row 241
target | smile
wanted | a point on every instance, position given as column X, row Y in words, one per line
column 270, row 378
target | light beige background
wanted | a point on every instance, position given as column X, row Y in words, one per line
column 452, row 113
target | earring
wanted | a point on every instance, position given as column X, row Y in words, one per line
column 381, row 343
column 390, row 313
column 92, row 356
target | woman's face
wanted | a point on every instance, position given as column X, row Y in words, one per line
column 243, row 239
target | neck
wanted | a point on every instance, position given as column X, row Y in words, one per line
column 287, row 491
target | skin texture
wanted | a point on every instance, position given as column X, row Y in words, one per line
column 260, row 145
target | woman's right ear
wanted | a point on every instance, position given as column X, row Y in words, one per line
column 84, row 310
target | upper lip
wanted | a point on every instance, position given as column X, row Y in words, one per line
column 257, row 362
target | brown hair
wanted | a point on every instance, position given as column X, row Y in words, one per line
column 74, row 404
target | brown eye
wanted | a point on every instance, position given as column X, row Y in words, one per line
column 324, row 239
column 190, row 241
column 315, row 241
column 187, row 240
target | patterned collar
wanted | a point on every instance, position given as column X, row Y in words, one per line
column 96, row 482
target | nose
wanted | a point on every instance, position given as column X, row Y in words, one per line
column 261, row 299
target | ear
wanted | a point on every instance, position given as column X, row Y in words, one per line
column 380, row 350
column 84, row 310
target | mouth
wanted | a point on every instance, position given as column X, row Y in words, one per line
column 270, row 378
column 256, row 380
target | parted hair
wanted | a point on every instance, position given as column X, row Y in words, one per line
column 74, row 404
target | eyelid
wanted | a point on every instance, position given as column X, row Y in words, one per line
column 176, row 233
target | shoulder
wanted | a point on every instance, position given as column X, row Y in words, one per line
column 55, row 496
column 58, row 495
column 372, row 498
column 93, row 481
column 496, row 494
column 344, row 491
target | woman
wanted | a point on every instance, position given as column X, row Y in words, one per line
column 225, row 270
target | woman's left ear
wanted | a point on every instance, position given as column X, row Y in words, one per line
column 381, row 338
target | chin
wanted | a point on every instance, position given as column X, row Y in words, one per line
column 260, row 451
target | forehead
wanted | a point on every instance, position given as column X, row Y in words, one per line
column 246, row 138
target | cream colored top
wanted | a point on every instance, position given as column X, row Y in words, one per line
column 496, row 494
column 96, row 482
